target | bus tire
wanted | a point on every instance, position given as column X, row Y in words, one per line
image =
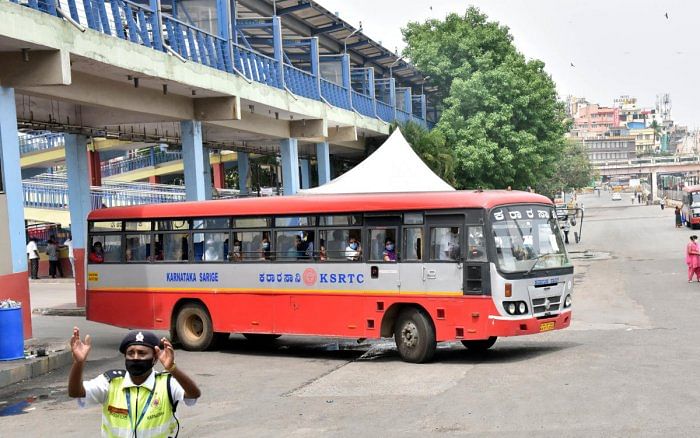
column 194, row 328
column 480, row 345
column 260, row 338
column 415, row 336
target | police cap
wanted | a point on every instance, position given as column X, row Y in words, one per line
column 139, row 338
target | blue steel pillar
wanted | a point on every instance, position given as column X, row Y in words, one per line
column 278, row 48
column 13, row 271
column 80, row 204
column 196, row 162
column 243, row 169
column 392, row 95
column 323, row 160
column 290, row 165
column 305, row 180
column 315, row 63
column 345, row 63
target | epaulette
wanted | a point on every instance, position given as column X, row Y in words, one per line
column 114, row 374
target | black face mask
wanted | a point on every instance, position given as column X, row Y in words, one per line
column 138, row 367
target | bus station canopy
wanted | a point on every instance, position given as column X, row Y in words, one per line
column 394, row 167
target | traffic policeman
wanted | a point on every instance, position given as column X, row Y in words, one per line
column 138, row 401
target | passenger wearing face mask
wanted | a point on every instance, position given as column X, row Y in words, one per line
column 266, row 248
column 389, row 251
column 353, row 250
column 137, row 401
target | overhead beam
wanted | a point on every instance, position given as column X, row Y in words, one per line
column 35, row 68
column 329, row 28
column 217, row 108
column 298, row 7
column 99, row 92
column 309, row 129
column 342, row 134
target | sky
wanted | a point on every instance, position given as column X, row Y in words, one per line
column 618, row 47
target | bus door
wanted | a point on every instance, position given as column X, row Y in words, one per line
column 442, row 270
column 476, row 266
column 382, row 252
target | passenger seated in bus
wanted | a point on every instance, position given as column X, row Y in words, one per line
column 322, row 251
column 389, row 253
column 353, row 251
column 129, row 255
column 449, row 245
column 308, row 243
column 96, row 255
column 211, row 254
column 236, row 252
column 265, row 251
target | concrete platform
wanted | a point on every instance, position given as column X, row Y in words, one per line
column 57, row 355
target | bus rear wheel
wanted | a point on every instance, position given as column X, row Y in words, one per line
column 260, row 337
column 480, row 345
column 415, row 336
column 193, row 327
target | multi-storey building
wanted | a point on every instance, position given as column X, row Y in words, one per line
column 604, row 149
column 593, row 120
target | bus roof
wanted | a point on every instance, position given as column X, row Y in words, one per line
column 345, row 203
column 691, row 189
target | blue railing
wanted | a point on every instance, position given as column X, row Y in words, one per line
column 335, row 94
column 363, row 104
column 301, row 83
column 197, row 45
column 140, row 24
column 39, row 142
column 128, row 165
column 403, row 116
column 257, row 67
column 384, row 111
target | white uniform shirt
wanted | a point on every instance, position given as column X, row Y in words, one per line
column 448, row 244
column 69, row 244
column 96, row 390
column 32, row 250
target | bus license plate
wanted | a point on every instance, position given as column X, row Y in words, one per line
column 546, row 326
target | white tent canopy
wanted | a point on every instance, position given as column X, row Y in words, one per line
column 394, row 167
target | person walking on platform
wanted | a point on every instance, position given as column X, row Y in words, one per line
column 33, row 254
column 692, row 258
column 137, row 401
column 679, row 220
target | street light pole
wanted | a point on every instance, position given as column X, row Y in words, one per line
column 345, row 40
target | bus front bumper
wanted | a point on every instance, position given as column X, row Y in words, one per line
column 504, row 326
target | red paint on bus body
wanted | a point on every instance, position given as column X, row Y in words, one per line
column 322, row 204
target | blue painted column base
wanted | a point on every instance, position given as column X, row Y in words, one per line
column 290, row 165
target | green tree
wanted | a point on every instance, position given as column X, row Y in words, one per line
column 432, row 148
column 572, row 171
column 500, row 112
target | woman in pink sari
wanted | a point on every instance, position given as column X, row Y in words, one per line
column 692, row 258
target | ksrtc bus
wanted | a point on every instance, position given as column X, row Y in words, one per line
column 691, row 206
column 421, row 267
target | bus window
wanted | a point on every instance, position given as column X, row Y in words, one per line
column 216, row 223
column 251, row 222
column 383, row 244
column 413, row 243
column 210, row 247
column 137, row 226
column 295, row 221
column 413, row 218
column 444, row 243
column 252, row 243
column 291, row 245
column 172, row 247
column 111, row 251
column 342, row 245
column 137, row 247
column 339, row 221
column 173, row 225
column 106, row 226
column 476, row 244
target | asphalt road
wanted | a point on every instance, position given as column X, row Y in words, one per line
column 628, row 365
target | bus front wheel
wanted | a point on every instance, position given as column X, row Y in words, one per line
column 194, row 328
column 415, row 336
column 480, row 345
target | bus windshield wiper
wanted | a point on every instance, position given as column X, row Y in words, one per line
column 538, row 258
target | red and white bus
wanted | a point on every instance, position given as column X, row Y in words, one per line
column 467, row 265
column 691, row 206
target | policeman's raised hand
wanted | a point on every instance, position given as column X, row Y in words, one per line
column 79, row 348
column 166, row 355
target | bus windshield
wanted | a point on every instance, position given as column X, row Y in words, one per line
column 527, row 238
column 695, row 199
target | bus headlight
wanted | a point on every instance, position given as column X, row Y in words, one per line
column 515, row 307
column 567, row 301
